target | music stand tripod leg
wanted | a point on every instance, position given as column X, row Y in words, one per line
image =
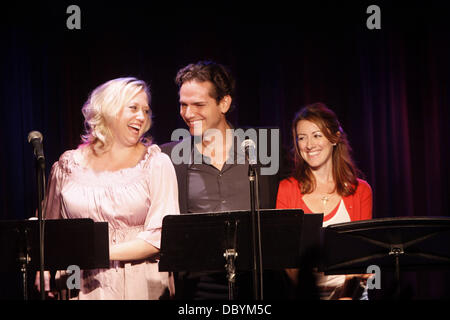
column 23, row 260
column 230, row 255
column 396, row 251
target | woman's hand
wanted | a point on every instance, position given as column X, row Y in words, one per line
column 136, row 249
column 37, row 283
column 352, row 285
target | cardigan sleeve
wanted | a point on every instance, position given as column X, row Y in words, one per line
column 285, row 194
column 366, row 199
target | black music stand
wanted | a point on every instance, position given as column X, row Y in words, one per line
column 80, row 242
column 211, row 242
column 414, row 243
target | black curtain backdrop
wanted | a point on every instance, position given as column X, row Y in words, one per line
column 389, row 87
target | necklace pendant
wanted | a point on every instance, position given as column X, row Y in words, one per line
column 325, row 200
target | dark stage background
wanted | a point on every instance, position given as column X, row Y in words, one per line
column 389, row 87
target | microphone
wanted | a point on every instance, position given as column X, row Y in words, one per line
column 248, row 146
column 35, row 138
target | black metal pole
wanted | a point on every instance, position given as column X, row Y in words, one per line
column 397, row 269
column 41, row 191
column 256, row 235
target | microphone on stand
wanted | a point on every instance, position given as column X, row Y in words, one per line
column 248, row 146
column 35, row 138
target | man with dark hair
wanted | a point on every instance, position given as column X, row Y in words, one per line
column 213, row 176
column 219, row 76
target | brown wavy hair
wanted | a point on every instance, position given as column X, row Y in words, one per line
column 345, row 172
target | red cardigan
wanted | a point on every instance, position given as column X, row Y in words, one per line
column 358, row 205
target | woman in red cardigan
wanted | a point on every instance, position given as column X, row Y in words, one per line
column 325, row 180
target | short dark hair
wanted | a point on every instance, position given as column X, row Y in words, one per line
column 219, row 75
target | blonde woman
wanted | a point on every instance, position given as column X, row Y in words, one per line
column 117, row 176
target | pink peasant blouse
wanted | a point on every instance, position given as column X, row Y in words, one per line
column 133, row 201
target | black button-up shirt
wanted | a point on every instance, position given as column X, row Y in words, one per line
column 214, row 190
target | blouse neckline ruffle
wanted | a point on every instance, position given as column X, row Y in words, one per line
column 72, row 159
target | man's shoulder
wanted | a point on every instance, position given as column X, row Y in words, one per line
column 168, row 146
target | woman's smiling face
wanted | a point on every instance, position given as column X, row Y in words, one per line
column 132, row 121
column 314, row 147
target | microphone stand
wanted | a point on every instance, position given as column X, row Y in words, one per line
column 256, row 233
column 40, row 175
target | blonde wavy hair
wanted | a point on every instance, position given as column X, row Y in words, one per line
column 103, row 106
